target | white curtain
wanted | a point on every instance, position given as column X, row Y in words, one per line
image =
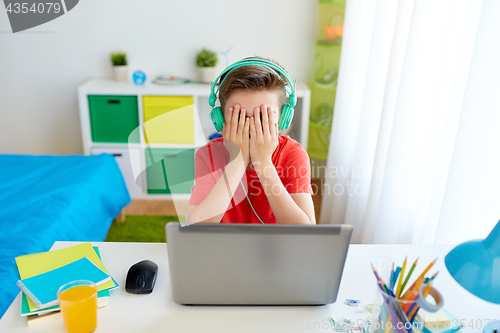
column 415, row 145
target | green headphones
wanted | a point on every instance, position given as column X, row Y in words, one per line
column 287, row 111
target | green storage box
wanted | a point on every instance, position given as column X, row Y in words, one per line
column 331, row 14
column 114, row 118
column 320, row 97
column 319, row 141
column 169, row 171
column 321, row 116
column 326, row 65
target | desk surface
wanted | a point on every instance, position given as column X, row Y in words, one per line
column 157, row 313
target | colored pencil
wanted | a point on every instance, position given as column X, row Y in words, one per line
column 396, row 307
column 387, row 319
column 390, row 308
column 411, row 312
column 410, row 302
column 396, row 275
column 409, row 308
column 421, row 276
column 425, row 292
column 408, row 276
column 384, row 286
column 392, row 276
column 375, row 272
column 398, row 288
column 413, row 295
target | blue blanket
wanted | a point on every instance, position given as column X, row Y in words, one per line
column 44, row 199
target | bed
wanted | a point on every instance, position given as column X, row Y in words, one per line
column 44, row 199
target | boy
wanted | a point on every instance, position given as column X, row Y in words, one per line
column 251, row 163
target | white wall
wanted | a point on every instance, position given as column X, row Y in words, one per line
column 41, row 68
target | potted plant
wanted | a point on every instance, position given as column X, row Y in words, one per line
column 206, row 60
column 120, row 68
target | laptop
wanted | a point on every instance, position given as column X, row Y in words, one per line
column 251, row 264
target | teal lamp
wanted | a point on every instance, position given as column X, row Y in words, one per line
column 475, row 265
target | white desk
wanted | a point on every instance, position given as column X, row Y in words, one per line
column 157, row 313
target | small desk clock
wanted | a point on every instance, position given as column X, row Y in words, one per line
column 139, row 77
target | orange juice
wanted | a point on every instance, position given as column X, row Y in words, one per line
column 79, row 308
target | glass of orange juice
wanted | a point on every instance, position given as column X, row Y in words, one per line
column 78, row 303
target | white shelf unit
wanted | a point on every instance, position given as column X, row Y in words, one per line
column 202, row 125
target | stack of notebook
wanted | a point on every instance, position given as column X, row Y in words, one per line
column 43, row 273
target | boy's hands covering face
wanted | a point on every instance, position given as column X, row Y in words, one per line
column 263, row 135
column 254, row 138
column 236, row 133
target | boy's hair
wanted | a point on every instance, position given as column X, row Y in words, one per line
column 253, row 78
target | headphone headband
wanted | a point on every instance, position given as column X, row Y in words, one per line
column 216, row 115
column 257, row 62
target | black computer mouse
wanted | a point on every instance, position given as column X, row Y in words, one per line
column 141, row 277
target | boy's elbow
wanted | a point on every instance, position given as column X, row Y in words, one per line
column 309, row 221
column 192, row 218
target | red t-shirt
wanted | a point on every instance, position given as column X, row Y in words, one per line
column 290, row 160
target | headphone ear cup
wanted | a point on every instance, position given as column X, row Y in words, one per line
column 217, row 118
column 286, row 117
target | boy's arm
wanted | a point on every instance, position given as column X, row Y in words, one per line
column 295, row 208
column 214, row 206
column 236, row 140
column 288, row 208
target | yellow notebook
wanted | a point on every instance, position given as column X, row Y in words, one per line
column 37, row 263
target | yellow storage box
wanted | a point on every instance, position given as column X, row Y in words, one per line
column 168, row 119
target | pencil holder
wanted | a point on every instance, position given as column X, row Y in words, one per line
column 388, row 312
column 396, row 308
column 395, row 315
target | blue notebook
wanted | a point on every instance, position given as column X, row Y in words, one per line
column 42, row 289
